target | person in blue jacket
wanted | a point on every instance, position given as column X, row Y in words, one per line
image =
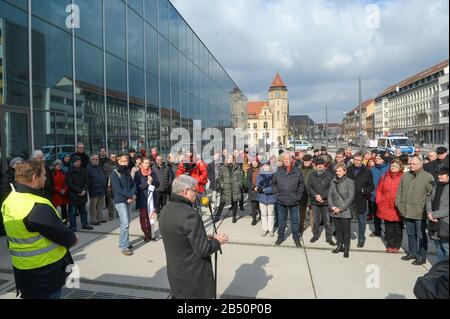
column 124, row 190
column 266, row 199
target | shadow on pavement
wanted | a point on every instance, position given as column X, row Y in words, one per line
column 249, row 279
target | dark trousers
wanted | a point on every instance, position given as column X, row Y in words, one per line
column 241, row 201
column 303, row 205
column 2, row 226
column 321, row 213
column 234, row 207
column 276, row 215
column 376, row 220
column 393, row 233
column 417, row 237
column 283, row 211
column 161, row 201
column 343, row 230
column 145, row 221
column 255, row 209
column 81, row 208
column 64, row 213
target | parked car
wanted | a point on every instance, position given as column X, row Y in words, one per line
column 299, row 145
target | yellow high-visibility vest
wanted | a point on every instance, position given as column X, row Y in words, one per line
column 28, row 250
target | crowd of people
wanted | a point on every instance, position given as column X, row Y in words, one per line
column 401, row 191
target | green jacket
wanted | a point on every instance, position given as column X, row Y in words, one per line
column 412, row 194
column 230, row 184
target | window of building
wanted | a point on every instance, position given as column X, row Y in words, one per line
column 265, row 125
column 255, row 125
column 278, row 115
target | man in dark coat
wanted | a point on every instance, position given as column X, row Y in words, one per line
column 164, row 174
column 77, row 181
column 5, row 186
column 433, row 167
column 188, row 248
column 318, row 186
column 434, row 284
column 82, row 155
column 364, row 186
column 97, row 190
column 288, row 187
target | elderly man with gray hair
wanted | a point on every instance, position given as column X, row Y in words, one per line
column 412, row 194
column 188, row 248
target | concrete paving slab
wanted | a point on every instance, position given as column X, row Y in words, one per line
column 264, row 272
column 340, row 278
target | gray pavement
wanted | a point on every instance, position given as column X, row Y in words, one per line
column 251, row 266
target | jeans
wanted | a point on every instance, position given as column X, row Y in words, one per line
column 124, row 211
column 362, row 222
column 321, row 212
column 267, row 216
column 393, row 233
column 283, row 211
column 417, row 237
column 441, row 249
column 73, row 216
column 96, row 209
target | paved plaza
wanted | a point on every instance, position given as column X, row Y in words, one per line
column 251, row 266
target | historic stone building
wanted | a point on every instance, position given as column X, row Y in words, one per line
column 268, row 120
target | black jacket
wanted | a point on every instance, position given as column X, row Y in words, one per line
column 49, row 186
column 41, row 282
column 251, row 187
column 210, row 169
column 84, row 159
column 5, row 187
column 319, row 185
column 164, row 174
column 142, row 189
column 434, row 167
column 363, row 188
column 434, row 284
column 287, row 187
column 188, row 250
column 77, row 181
column 97, row 181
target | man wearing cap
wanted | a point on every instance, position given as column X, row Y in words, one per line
column 5, row 186
column 316, row 154
column 441, row 161
column 318, row 186
column 378, row 172
column 437, row 213
column 412, row 195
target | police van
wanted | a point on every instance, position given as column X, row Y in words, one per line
column 392, row 142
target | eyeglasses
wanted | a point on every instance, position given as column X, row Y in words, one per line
column 193, row 190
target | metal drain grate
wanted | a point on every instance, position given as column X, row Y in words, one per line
column 88, row 294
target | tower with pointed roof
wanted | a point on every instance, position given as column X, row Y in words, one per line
column 268, row 120
column 279, row 103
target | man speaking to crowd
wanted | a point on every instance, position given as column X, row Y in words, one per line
column 188, row 248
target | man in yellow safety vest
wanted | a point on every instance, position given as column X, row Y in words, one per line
column 38, row 240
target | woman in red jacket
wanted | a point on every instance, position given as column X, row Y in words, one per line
column 60, row 197
column 386, row 210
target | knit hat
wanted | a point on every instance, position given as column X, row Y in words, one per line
column 57, row 162
column 319, row 161
column 76, row 158
column 15, row 160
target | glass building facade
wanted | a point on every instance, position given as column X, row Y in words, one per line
column 126, row 76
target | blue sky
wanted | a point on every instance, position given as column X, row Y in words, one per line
column 321, row 47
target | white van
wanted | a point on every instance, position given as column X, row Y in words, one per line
column 299, row 145
column 391, row 143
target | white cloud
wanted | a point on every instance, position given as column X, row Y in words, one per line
column 321, row 47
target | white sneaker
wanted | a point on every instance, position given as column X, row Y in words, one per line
column 271, row 233
column 264, row 233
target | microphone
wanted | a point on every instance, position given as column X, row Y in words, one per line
column 205, row 203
